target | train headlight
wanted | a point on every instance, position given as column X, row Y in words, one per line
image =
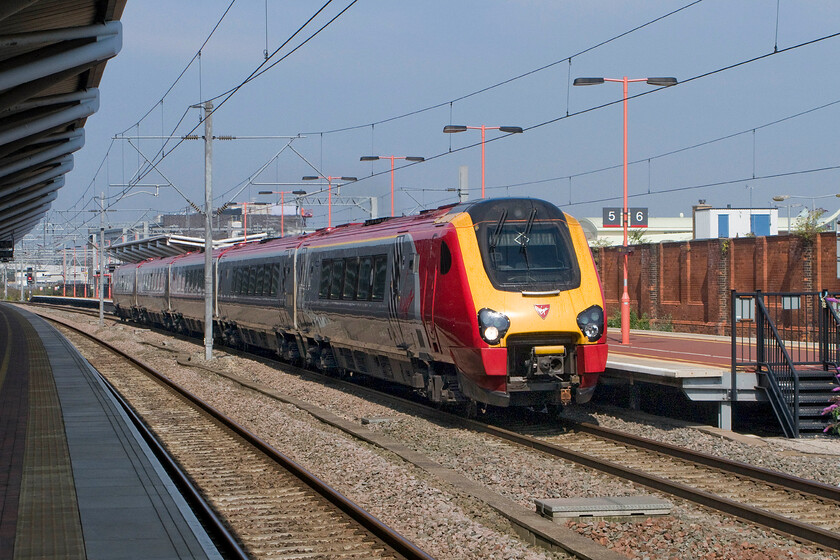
column 492, row 325
column 591, row 322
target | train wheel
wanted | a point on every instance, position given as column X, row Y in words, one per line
column 553, row 411
column 472, row 409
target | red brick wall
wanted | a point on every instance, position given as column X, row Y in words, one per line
column 688, row 284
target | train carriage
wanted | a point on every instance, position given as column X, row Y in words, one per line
column 495, row 302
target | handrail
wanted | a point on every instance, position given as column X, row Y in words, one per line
column 785, row 401
column 830, row 331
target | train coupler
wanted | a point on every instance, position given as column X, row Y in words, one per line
column 565, row 395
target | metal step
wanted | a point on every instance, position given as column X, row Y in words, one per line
column 811, row 410
column 811, row 426
column 826, row 386
column 816, row 398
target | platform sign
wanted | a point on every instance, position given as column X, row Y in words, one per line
column 7, row 250
column 612, row 217
column 638, row 217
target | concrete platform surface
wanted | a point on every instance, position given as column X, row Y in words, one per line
column 81, row 482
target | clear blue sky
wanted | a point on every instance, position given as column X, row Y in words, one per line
column 382, row 59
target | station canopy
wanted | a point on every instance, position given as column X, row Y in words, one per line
column 52, row 57
column 169, row 245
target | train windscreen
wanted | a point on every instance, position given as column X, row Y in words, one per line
column 525, row 246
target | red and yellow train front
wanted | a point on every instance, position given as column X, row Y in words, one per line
column 532, row 325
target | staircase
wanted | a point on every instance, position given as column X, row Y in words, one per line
column 798, row 377
column 815, row 392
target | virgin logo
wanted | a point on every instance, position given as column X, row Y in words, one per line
column 542, row 310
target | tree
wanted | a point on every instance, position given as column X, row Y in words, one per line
column 808, row 226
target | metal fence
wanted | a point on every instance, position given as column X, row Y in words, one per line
column 780, row 335
column 797, row 318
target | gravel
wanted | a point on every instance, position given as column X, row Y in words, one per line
column 449, row 524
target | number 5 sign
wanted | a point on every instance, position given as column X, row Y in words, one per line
column 612, row 217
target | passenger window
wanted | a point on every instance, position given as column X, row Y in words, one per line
column 252, row 280
column 351, row 277
column 260, row 283
column 445, row 258
column 324, row 289
column 365, row 268
column 380, row 267
column 274, row 280
column 337, row 278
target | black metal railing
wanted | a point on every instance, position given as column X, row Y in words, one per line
column 774, row 334
column 797, row 320
column 782, row 383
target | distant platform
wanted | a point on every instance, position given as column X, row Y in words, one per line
column 699, row 365
column 87, row 303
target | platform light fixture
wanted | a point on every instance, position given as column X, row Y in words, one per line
column 329, row 179
column 783, row 197
column 453, row 128
column 283, row 206
column 392, row 158
column 658, row 81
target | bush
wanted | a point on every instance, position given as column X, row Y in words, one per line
column 808, row 227
column 833, row 412
column 636, row 322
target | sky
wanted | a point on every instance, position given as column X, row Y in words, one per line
column 754, row 115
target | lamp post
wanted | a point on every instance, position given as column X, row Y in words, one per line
column 665, row 82
column 283, row 206
column 329, row 180
column 392, row 158
column 453, row 128
column 783, row 197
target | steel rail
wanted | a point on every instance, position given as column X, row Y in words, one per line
column 790, row 482
column 193, row 495
column 389, row 536
column 755, row 515
column 759, row 516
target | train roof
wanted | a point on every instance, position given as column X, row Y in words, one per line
column 369, row 229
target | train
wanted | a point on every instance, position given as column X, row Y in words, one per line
column 491, row 302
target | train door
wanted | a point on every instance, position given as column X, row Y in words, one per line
column 301, row 275
column 167, row 294
column 286, row 285
column 429, row 274
column 402, row 293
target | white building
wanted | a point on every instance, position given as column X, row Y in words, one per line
column 710, row 223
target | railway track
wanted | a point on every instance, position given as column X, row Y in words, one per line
column 274, row 507
column 803, row 509
column 799, row 508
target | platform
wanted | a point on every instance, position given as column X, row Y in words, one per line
column 699, row 365
column 76, row 479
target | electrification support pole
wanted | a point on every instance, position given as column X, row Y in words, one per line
column 101, row 259
column 22, row 279
column 208, row 231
